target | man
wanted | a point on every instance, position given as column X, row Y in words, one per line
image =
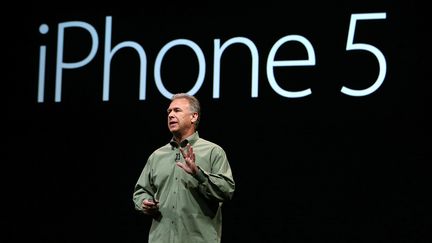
column 184, row 183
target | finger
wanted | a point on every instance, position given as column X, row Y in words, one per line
column 183, row 153
column 148, row 203
column 181, row 165
column 191, row 154
column 190, row 150
column 187, row 162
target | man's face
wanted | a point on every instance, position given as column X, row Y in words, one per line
column 180, row 118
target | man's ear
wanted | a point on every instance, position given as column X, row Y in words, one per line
column 194, row 116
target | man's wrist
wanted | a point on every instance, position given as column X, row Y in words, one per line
column 200, row 175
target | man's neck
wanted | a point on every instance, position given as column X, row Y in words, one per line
column 180, row 137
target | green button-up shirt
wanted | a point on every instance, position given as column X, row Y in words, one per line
column 190, row 206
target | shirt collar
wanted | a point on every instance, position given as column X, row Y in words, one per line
column 191, row 139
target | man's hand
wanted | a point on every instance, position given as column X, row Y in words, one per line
column 150, row 207
column 189, row 165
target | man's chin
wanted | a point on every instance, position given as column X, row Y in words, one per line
column 174, row 130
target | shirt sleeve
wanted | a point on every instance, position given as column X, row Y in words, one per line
column 217, row 184
column 143, row 187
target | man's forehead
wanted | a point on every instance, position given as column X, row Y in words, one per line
column 179, row 103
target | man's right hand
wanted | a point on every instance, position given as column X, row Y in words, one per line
column 150, row 207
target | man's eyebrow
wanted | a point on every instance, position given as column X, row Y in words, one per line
column 174, row 108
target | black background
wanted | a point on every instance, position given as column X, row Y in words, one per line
column 323, row 168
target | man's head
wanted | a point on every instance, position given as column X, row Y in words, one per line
column 184, row 113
